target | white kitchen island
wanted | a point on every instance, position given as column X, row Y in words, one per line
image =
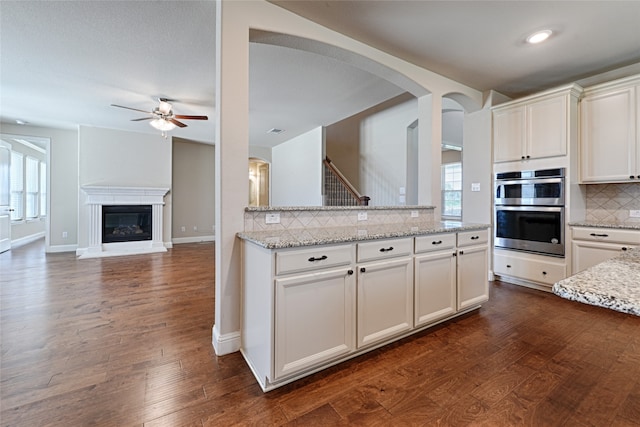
column 314, row 297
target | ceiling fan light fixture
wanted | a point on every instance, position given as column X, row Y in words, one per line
column 162, row 125
column 539, row 36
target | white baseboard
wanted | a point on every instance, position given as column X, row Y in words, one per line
column 226, row 343
column 197, row 239
column 60, row 248
column 26, row 240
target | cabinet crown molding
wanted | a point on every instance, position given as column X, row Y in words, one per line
column 572, row 89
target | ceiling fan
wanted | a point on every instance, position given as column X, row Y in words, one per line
column 162, row 117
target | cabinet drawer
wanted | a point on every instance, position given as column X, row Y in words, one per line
column 476, row 237
column 547, row 272
column 300, row 260
column 612, row 235
column 435, row 242
column 382, row 249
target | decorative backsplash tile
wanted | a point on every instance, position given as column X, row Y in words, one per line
column 339, row 217
column 610, row 203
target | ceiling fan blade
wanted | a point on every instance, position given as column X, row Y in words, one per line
column 129, row 108
column 182, row 116
column 177, row 123
column 142, row 118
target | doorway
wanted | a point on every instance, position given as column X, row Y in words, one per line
column 258, row 182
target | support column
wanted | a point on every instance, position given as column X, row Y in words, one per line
column 430, row 151
column 232, row 169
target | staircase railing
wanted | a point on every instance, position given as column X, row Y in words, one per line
column 338, row 190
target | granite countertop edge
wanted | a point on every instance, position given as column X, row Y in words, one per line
column 593, row 224
column 280, row 239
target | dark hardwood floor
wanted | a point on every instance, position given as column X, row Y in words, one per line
column 127, row 342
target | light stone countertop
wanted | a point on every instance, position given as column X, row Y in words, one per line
column 279, row 239
column 613, row 284
column 619, row 225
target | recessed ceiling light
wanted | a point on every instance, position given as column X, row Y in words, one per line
column 21, row 122
column 539, row 36
column 275, row 130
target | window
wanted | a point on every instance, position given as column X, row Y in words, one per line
column 32, row 184
column 17, row 186
column 452, row 190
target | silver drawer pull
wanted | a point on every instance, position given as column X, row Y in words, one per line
column 390, row 248
column 322, row 258
column 599, row 235
column 439, row 242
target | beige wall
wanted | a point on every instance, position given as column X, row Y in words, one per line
column 193, row 189
column 119, row 158
column 63, row 182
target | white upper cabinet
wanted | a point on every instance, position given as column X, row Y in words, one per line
column 534, row 127
column 609, row 140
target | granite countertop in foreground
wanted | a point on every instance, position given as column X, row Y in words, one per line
column 278, row 239
column 613, row 284
column 619, row 225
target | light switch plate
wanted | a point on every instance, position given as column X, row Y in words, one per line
column 362, row 216
column 272, row 218
column 415, row 214
column 475, row 186
column 634, row 213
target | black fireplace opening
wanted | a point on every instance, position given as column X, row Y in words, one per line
column 126, row 223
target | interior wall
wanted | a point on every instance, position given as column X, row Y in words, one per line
column 343, row 140
column 296, row 170
column 120, row 158
column 477, row 167
column 383, row 153
column 193, row 191
column 63, row 182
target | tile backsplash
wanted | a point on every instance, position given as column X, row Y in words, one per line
column 610, row 203
column 291, row 218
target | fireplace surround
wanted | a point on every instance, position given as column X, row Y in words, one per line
column 139, row 217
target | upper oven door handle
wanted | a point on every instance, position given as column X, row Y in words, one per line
column 530, row 181
column 530, row 208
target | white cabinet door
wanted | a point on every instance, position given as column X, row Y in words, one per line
column 547, row 128
column 587, row 254
column 509, row 134
column 385, row 300
column 608, row 136
column 314, row 319
column 473, row 282
column 434, row 287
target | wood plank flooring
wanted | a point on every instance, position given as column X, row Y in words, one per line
column 127, row 342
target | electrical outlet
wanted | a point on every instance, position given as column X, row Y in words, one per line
column 195, row 228
column 634, row 213
column 362, row 216
column 415, row 214
column 183, row 229
column 272, row 218
column 65, row 234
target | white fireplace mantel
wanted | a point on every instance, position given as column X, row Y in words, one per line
column 98, row 196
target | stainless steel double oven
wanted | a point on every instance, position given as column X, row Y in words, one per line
column 529, row 211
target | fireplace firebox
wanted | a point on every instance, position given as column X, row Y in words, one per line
column 126, row 223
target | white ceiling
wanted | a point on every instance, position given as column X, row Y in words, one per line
column 64, row 63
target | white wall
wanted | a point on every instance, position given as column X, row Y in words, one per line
column 477, row 167
column 296, row 170
column 119, row 158
column 383, row 153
